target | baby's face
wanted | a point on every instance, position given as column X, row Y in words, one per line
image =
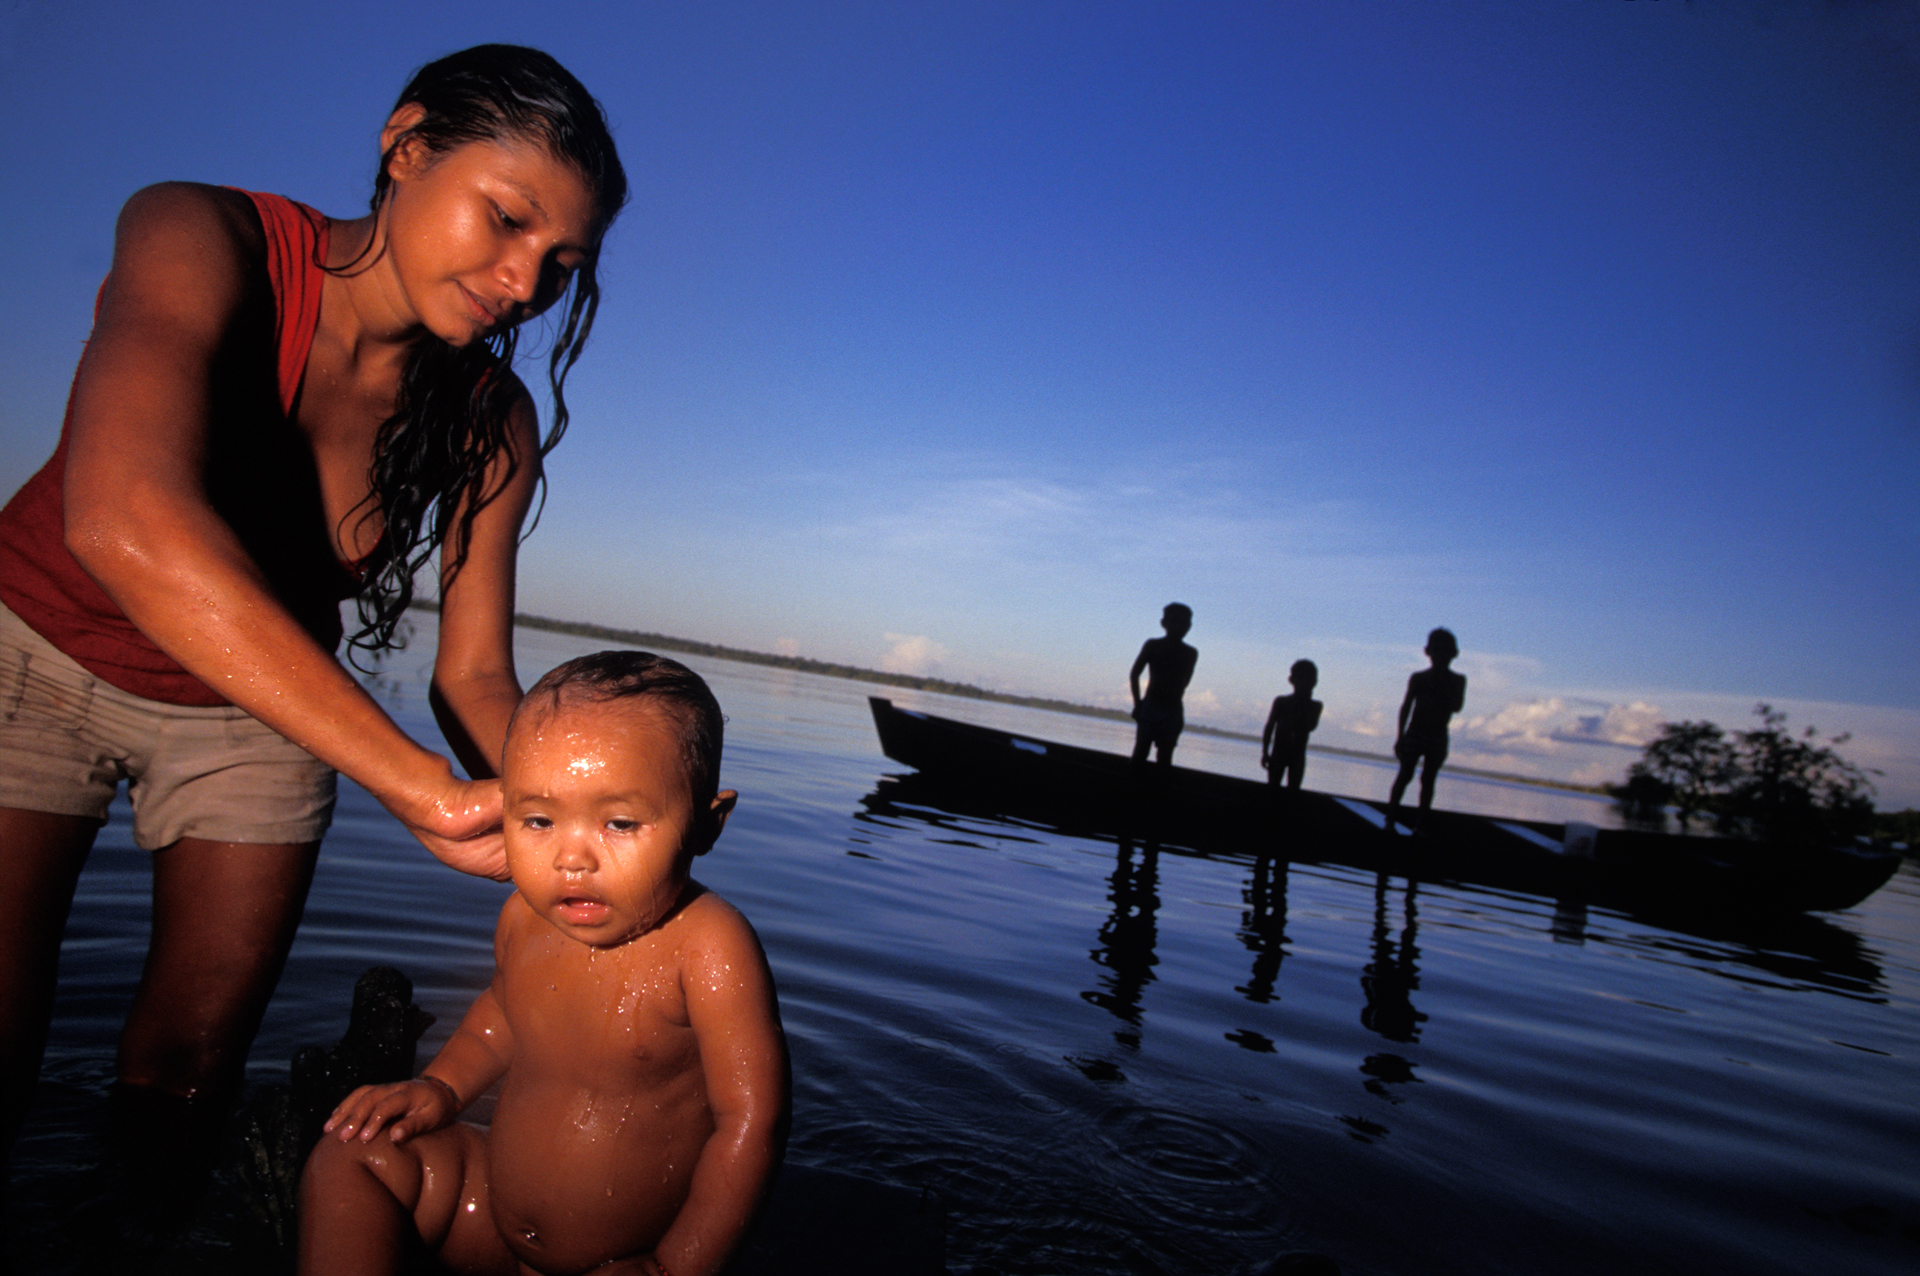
column 599, row 809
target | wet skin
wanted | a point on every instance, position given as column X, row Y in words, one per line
column 482, row 237
column 631, row 1013
column 468, row 242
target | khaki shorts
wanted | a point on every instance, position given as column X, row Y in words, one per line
column 67, row 739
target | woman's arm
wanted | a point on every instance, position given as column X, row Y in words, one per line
column 475, row 688
column 139, row 520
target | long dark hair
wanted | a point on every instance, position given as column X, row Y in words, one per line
column 449, row 421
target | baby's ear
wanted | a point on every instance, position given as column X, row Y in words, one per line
column 716, row 818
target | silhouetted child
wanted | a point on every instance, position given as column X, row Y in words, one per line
column 1169, row 664
column 1434, row 695
column 631, row 1015
column 1283, row 745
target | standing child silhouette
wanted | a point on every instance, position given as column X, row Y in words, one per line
column 1168, row 663
column 1283, row 745
column 1433, row 696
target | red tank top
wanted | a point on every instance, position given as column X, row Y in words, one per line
column 263, row 501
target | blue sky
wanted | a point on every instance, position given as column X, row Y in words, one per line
column 960, row 338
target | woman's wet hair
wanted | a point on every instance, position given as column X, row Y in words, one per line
column 678, row 690
column 450, row 421
column 494, row 92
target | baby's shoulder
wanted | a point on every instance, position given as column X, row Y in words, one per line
column 713, row 935
column 707, row 916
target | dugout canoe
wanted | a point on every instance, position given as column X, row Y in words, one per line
column 963, row 763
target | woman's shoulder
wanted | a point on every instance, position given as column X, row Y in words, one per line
column 208, row 215
column 173, row 229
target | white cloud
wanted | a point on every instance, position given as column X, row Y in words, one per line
column 1542, row 727
column 913, row 654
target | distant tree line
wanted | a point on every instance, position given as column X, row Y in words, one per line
column 1766, row 783
column 802, row 664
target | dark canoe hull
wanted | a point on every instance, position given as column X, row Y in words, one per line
column 1106, row 793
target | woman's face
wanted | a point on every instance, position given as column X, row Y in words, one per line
column 484, row 236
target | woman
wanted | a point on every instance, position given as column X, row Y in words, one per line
column 277, row 411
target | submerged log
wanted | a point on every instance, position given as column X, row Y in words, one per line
column 260, row 1185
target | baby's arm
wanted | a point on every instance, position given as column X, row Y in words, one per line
column 466, row 1067
column 730, row 1002
column 473, row 1059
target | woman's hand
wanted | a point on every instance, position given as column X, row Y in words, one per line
column 404, row 1109
column 459, row 821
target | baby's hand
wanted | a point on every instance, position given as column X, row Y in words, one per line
column 406, row 1108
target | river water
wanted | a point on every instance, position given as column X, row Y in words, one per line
column 1110, row 1059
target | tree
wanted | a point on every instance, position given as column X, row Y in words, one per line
column 1687, row 766
column 1795, row 788
column 1765, row 783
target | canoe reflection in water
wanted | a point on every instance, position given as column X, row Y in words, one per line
column 1800, row 947
column 1127, row 939
column 1263, row 929
column 1390, row 979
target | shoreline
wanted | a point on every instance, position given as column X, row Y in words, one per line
column 943, row 686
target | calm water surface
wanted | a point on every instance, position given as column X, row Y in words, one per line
column 1109, row 1058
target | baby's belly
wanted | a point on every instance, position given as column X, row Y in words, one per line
column 579, row 1177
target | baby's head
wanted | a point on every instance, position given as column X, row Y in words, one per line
column 1305, row 676
column 611, row 782
column 1442, row 646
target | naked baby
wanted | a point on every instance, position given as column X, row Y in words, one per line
column 631, row 1023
